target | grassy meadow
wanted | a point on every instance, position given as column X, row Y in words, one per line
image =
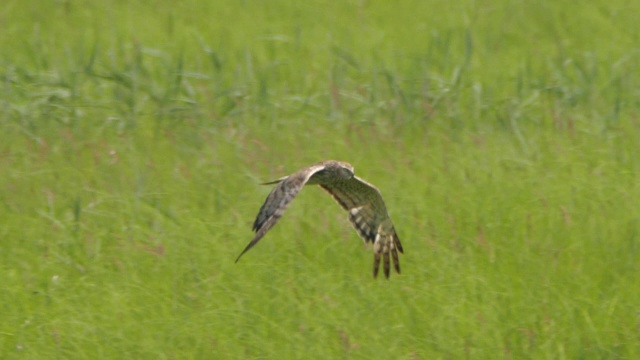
column 504, row 136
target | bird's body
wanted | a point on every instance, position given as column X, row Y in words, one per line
column 363, row 201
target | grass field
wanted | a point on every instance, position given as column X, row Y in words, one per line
column 504, row 135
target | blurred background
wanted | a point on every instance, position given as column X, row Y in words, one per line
column 502, row 134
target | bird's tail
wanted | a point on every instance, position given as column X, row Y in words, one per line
column 274, row 181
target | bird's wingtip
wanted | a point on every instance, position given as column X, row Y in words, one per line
column 242, row 253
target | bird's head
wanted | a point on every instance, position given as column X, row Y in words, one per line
column 345, row 170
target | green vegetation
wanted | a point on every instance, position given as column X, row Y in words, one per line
column 504, row 135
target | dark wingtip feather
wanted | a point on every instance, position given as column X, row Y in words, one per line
column 251, row 244
column 376, row 265
column 396, row 261
column 243, row 251
column 396, row 241
column 386, row 265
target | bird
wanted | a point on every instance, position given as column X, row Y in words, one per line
column 363, row 202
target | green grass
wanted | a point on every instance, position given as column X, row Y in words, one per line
column 504, row 136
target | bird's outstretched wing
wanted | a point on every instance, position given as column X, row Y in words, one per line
column 368, row 215
column 277, row 201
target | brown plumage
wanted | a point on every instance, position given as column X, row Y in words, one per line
column 363, row 201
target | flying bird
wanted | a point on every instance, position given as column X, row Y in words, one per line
column 363, row 201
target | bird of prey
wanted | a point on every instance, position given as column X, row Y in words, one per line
column 363, row 201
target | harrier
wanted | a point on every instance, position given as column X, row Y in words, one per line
column 363, row 201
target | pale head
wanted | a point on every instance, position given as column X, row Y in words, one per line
column 331, row 170
column 345, row 170
column 341, row 169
